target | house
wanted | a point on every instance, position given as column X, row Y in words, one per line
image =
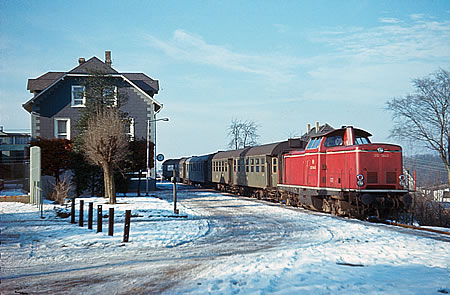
column 58, row 98
column 13, row 146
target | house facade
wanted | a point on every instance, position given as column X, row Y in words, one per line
column 58, row 98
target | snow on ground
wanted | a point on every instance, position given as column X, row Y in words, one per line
column 236, row 245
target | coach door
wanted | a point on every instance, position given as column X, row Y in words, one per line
column 273, row 172
column 230, row 171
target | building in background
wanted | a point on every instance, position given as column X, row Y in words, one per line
column 14, row 169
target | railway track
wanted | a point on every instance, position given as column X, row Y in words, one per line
column 374, row 221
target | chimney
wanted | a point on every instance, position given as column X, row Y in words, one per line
column 308, row 128
column 108, row 61
column 317, row 127
column 81, row 60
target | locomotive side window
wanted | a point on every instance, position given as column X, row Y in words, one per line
column 333, row 141
column 311, row 143
column 361, row 140
column 314, row 143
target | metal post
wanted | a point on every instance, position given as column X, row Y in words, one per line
column 90, row 213
column 148, row 158
column 174, row 180
column 41, row 202
column 126, row 229
column 80, row 219
column 99, row 218
column 154, row 150
column 72, row 211
column 111, row 222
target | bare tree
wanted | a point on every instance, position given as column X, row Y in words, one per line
column 242, row 133
column 424, row 115
column 234, row 132
column 249, row 133
column 106, row 145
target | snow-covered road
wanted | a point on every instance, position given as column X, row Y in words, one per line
column 226, row 245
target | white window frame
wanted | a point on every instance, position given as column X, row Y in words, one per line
column 115, row 95
column 83, row 104
column 130, row 132
column 67, row 127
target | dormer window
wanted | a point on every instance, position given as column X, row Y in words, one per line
column 78, row 97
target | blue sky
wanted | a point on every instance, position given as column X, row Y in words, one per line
column 283, row 64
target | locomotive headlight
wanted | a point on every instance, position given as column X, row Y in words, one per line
column 360, row 179
column 402, row 180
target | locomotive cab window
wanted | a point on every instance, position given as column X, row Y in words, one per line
column 333, row 141
column 314, row 143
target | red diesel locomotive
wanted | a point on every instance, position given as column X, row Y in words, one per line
column 338, row 171
column 343, row 173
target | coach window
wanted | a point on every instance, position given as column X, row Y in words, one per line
column 257, row 165
column 263, row 167
column 274, row 165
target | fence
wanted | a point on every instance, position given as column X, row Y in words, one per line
column 38, row 199
column 15, row 175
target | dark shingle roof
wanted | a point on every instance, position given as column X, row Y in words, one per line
column 43, row 81
column 143, row 81
column 93, row 64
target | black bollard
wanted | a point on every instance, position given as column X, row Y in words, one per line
column 126, row 229
column 99, row 218
column 90, row 213
column 72, row 211
column 111, row 222
column 80, row 221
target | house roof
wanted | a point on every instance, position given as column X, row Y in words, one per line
column 93, row 64
column 43, row 81
column 146, row 85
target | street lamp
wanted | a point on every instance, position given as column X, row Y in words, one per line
column 148, row 151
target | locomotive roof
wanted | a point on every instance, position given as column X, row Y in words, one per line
column 356, row 131
column 270, row 149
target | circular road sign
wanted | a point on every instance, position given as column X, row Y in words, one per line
column 160, row 157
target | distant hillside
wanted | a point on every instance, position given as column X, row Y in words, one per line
column 429, row 168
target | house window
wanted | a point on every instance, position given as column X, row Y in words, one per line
column 62, row 128
column 110, row 95
column 130, row 129
column 78, row 98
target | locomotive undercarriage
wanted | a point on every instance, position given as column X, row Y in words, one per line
column 343, row 203
column 350, row 203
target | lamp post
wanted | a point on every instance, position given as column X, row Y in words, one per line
column 148, row 151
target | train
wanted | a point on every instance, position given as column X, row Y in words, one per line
column 338, row 171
